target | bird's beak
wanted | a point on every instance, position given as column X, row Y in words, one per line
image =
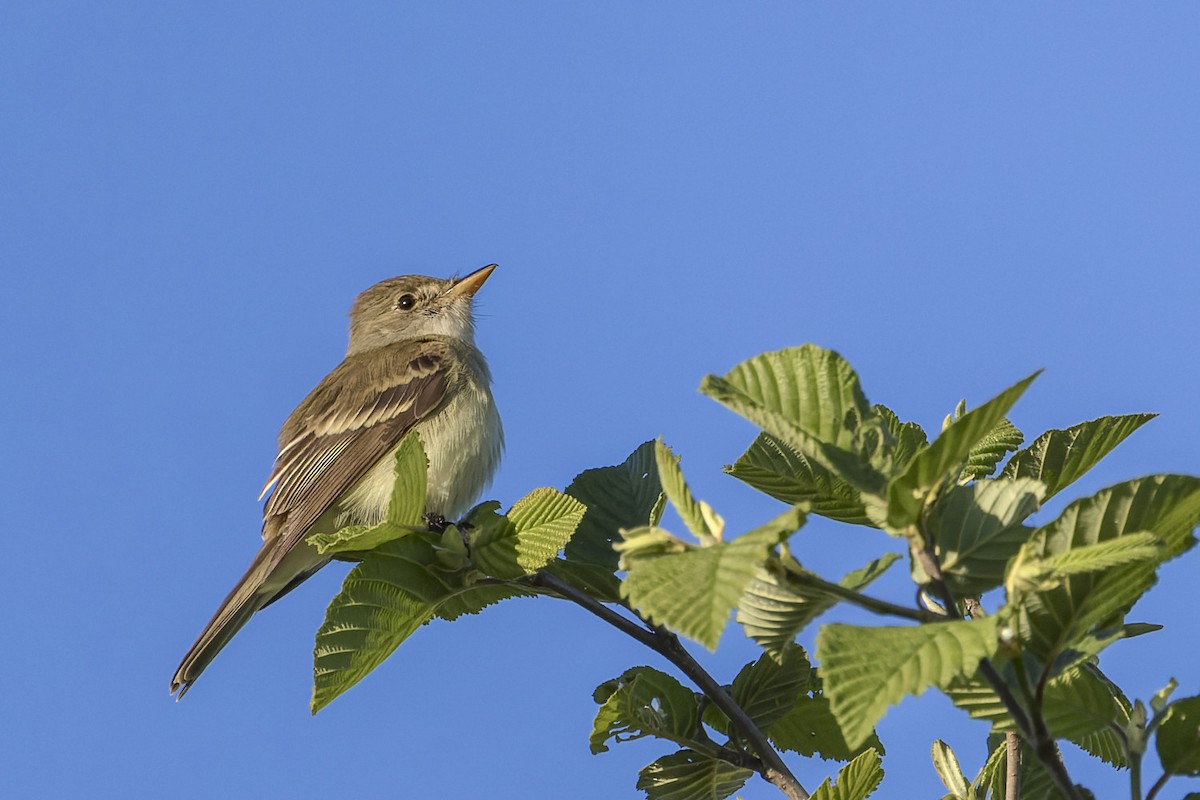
column 468, row 286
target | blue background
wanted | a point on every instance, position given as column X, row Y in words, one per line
column 950, row 195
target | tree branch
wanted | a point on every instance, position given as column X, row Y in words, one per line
column 1031, row 724
column 1012, row 741
column 771, row 767
column 863, row 601
column 1012, row 766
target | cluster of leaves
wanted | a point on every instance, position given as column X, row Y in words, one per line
column 960, row 505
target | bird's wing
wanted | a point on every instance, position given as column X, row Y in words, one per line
column 351, row 420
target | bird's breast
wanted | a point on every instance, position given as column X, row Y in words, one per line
column 463, row 441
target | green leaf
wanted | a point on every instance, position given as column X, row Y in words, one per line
column 1047, row 573
column 698, row 516
column 545, row 519
column 1053, row 621
column 492, row 539
column 815, row 389
column 775, row 468
column 528, row 538
column 1088, row 646
column 767, row 689
column 946, row 765
column 906, row 439
column 358, row 538
column 855, row 781
column 943, row 459
column 383, row 600
column 991, row 774
column 1162, row 696
column 643, row 702
column 627, row 495
column 693, row 589
column 473, row 598
column 688, row 775
column 810, row 729
column 976, row 529
column 406, row 511
column 809, row 398
column 1036, row 783
column 1058, row 458
column 1178, row 737
column 973, row 694
column 866, row 670
column 407, row 506
column 593, row 579
column 1079, row 705
column 776, row 606
column 991, row 449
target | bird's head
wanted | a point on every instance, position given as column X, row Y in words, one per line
column 412, row 306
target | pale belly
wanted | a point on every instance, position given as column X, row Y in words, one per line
column 463, row 457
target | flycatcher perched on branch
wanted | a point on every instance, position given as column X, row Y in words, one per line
column 412, row 364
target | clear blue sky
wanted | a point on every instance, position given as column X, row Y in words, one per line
column 191, row 194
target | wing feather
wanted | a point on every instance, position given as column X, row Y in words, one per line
column 351, row 420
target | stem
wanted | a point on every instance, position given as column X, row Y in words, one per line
column 1012, row 741
column 864, row 601
column 1031, row 724
column 1158, row 784
column 1135, row 777
column 1012, row 766
column 667, row 644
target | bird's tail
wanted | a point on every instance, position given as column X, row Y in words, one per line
column 267, row 579
column 234, row 612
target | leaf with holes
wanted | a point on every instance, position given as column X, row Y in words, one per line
column 643, row 702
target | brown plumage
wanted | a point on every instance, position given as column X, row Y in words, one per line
column 411, row 363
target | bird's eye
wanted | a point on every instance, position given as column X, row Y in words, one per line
column 406, row 302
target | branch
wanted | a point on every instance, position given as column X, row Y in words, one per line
column 1012, row 766
column 1012, row 742
column 1158, row 784
column 669, row 647
column 1031, row 724
column 863, row 601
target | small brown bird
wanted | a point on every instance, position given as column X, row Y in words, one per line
column 412, row 364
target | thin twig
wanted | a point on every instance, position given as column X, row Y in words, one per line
column 1031, row 724
column 865, row 601
column 1012, row 741
column 667, row 644
column 1012, row 766
column 1158, row 784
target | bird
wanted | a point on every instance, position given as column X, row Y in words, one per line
column 411, row 364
